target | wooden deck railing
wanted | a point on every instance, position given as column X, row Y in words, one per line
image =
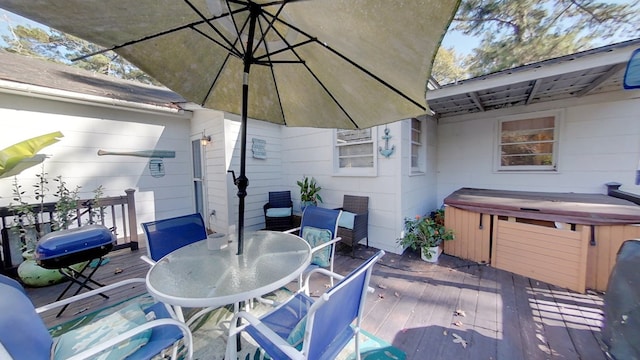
column 118, row 213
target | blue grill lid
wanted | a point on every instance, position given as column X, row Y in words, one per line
column 67, row 242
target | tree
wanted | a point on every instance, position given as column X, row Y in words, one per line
column 517, row 32
column 448, row 66
column 56, row 46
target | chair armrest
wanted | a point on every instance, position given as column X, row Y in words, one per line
column 186, row 332
column 360, row 218
column 148, row 260
column 87, row 294
column 330, row 242
column 326, row 272
column 291, row 231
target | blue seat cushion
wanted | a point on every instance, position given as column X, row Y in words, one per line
column 279, row 212
column 316, row 237
column 346, row 220
column 75, row 341
column 22, row 331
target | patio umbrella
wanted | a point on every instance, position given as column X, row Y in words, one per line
column 316, row 63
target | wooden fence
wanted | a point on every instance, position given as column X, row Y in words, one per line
column 118, row 213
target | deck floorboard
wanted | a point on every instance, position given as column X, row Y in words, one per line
column 415, row 307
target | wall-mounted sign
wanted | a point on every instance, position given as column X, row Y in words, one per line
column 156, row 167
column 259, row 148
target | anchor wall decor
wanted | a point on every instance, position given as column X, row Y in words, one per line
column 386, row 152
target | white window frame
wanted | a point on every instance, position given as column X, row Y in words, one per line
column 362, row 171
column 558, row 116
column 420, row 151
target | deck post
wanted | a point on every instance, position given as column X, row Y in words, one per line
column 133, row 222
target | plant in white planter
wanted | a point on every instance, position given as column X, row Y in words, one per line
column 426, row 233
column 309, row 192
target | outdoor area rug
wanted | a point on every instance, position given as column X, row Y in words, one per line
column 210, row 332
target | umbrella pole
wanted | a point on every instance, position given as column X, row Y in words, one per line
column 243, row 182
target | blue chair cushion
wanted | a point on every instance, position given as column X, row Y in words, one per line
column 279, row 212
column 22, row 331
column 316, row 237
column 346, row 220
column 75, row 341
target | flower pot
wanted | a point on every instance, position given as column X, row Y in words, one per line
column 32, row 274
column 430, row 254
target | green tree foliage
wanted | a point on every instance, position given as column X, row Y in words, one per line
column 62, row 48
column 518, row 32
column 449, row 67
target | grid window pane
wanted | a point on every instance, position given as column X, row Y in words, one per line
column 355, row 148
column 528, row 142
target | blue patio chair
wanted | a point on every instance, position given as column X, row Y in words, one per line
column 278, row 212
column 126, row 332
column 319, row 227
column 308, row 328
column 167, row 235
column 164, row 236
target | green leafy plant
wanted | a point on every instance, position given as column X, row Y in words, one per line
column 24, row 215
column 66, row 206
column 309, row 190
column 96, row 211
column 424, row 232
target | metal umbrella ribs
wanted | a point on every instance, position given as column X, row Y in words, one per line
column 328, row 64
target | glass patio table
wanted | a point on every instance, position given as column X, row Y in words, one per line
column 194, row 276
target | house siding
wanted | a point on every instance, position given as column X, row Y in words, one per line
column 599, row 142
column 87, row 129
column 394, row 193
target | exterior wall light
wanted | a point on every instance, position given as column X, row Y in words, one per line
column 205, row 140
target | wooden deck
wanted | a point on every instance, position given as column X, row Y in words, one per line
column 451, row 310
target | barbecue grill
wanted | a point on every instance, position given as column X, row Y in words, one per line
column 61, row 249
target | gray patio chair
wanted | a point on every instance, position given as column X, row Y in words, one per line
column 353, row 225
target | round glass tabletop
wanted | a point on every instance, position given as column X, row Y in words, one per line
column 194, row 276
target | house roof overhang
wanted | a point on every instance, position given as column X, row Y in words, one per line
column 44, row 79
column 589, row 72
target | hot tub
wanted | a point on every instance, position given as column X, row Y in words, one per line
column 565, row 239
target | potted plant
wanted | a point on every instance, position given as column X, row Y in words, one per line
column 309, row 192
column 30, row 226
column 426, row 233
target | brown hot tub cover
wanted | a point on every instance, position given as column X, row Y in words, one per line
column 575, row 208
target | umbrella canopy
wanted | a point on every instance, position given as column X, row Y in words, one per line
column 316, row 63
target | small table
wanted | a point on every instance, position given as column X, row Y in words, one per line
column 194, row 276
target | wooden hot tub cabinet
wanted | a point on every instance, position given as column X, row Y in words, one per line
column 565, row 239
